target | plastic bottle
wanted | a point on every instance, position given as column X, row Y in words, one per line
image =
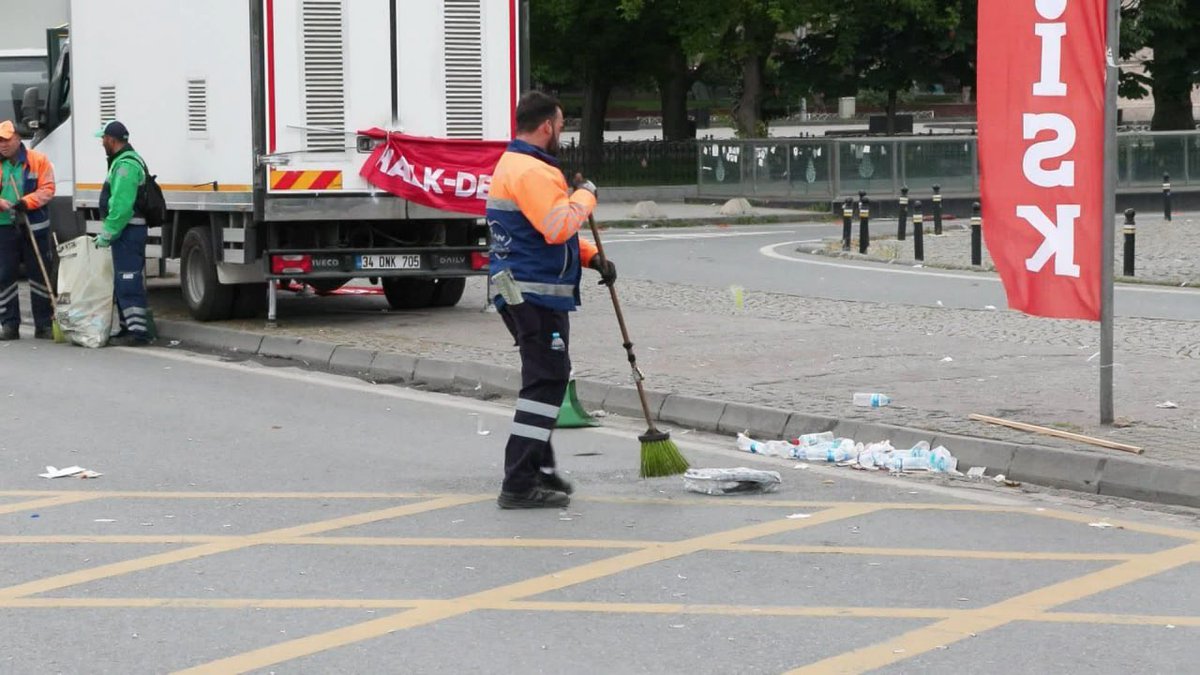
column 556, row 343
column 872, row 400
column 942, row 461
column 770, row 448
column 815, row 439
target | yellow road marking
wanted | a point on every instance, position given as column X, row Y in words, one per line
column 210, row 603
column 1022, row 607
column 45, row 503
column 1116, row 619
column 61, row 581
column 927, row 553
column 293, row 649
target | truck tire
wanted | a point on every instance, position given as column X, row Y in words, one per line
column 249, row 300
column 448, row 292
column 405, row 293
column 206, row 297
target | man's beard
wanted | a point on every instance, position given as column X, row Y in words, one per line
column 553, row 145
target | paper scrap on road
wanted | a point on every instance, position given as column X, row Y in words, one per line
column 69, row 472
column 948, row 359
column 799, row 516
column 479, row 430
column 976, row 471
column 1101, row 525
column 1167, row 405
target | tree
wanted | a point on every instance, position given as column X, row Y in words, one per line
column 585, row 41
column 1172, row 29
column 743, row 31
column 889, row 44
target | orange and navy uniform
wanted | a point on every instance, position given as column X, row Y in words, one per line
column 35, row 178
column 535, row 224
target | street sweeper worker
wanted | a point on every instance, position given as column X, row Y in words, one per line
column 537, row 258
column 125, row 231
column 26, row 188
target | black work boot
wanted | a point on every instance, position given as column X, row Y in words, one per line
column 535, row 498
column 10, row 333
column 43, row 333
column 129, row 340
column 553, row 481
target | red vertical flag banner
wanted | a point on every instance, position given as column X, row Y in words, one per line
column 1041, row 70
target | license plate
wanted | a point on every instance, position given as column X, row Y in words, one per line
column 389, row 262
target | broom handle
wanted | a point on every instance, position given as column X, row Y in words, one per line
column 612, row 291
column 37, row 252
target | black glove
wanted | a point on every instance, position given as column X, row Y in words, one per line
column 19, row 206
column 607, row 270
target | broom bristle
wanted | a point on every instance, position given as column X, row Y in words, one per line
column 56, row 329
column 662, row 458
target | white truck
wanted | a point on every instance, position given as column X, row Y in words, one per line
column 247, row 111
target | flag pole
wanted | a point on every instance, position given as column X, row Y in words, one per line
column 1113, row 12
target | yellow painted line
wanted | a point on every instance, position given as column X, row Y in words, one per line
column 1144, row 528
column 928, row 553
column 18, row 540
column 450, row 542
column 1117, row 619
column 46, row 503
column 1021, row 607
column 313, row 644
column 730, row 610
column 76, row 578
column 210, row 603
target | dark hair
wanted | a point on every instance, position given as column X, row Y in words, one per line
column 533, row 109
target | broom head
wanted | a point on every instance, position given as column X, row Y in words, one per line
column 660, row 455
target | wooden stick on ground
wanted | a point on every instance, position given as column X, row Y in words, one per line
column 1047, row 431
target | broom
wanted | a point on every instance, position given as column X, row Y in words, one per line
column 660, row 456
column 37, row 252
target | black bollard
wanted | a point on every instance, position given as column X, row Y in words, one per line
column 918, row 231
column 1130, row 243
column 864, row 225
column 901, row 229
column 1167, row 197
column 937, row 209
column 976, row 235
column 847, row 222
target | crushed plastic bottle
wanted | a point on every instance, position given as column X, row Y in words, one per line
column 556, row 343
column 769, row 448
column 872, row 400
column 814, row 439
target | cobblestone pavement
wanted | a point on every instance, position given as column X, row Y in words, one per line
column 811, row 355
column 1167, row 252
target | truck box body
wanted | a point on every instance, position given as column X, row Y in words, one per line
column 247, row 113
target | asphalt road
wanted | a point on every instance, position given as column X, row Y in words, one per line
column 262, row 519
column 764, row 258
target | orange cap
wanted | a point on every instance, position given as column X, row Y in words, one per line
column 7, row 130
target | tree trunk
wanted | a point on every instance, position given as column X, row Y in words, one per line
column 891, row 112
column 1172, row 105
column 674, row 81
column 591, row 133
column 747, row 114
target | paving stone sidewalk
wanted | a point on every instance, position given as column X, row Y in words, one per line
column 1167, row 252
column 811, row 355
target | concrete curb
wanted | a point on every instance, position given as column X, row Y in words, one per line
column 1089, row 472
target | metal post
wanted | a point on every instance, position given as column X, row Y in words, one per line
column 864, row 225
column 903, row 225
column 937, row 209
column 918, row 231
column 1167, row 197
column 1113, row 9
column 1130, row 240
column 847, row 222
column 272, row 285
column 976, row 235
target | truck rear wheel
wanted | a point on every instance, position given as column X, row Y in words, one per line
column 206, row 297
column 449, row 291
column 405, row 293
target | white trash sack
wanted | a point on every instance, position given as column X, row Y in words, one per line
column 731, row 481
column 85, row 292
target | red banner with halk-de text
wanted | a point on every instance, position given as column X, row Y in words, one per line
column 448, row 174
column 1041, row 70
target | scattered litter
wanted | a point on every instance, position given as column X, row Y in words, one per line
column 677, row 625
column 731, row 481
column 976, row 471
column 941, row 304
column 799, row 516
column 999, row 478
column 898, row 651
column 173, row 343
column 1167, row 405
column 599, row 413
column 827, row 482
column 1101, row 525
column 470, row 568
column 845, row 452
column 990, row 307
column 681, row 577
column 69, row 472
column 801, row 466
column 1093, row 357
column 104, row 520
column 479, row 430
column 460, row 520
column 1170, row 625
column 948, row 359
